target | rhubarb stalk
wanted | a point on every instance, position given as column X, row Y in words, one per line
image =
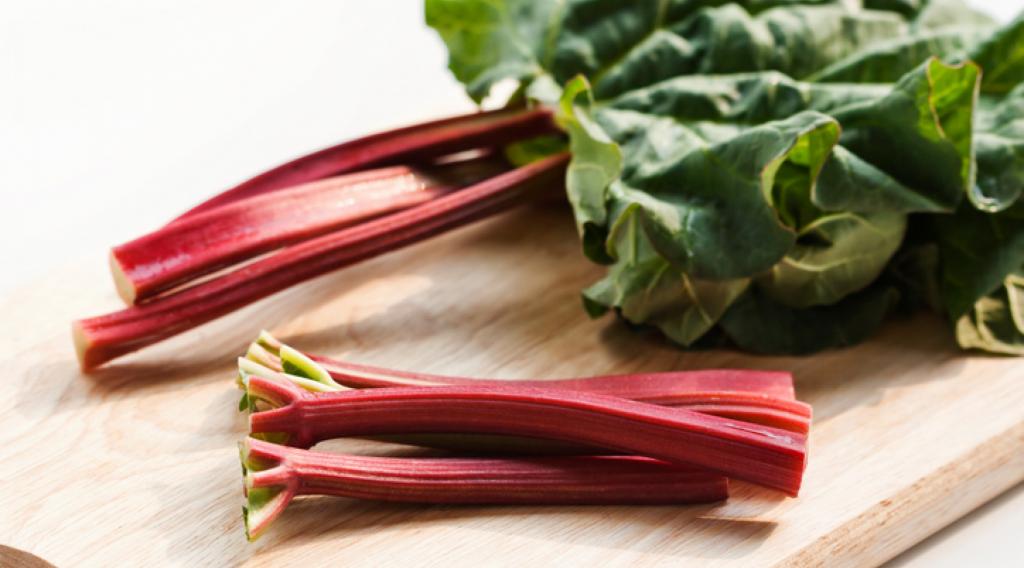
column 102, row 338
column 762, row 455
column 649, row 387
column 705, row 391
column 223, row 236
column 410, row 144
column 275, row 474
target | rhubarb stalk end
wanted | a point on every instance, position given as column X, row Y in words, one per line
column 82, row 344
column 123, row 284
column 296, row 363
column 268, row 342
column 266, row 496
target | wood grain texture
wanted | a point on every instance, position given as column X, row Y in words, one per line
column 138, row 462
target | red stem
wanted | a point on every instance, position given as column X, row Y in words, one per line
column 210, row 240
column 761, row 397
column 213, row 239
column 401, row 146
column 759, row 454
column 583, row 480
column 102, row 338
column 657, row 388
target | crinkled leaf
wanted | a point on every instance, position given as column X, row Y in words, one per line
column 996, row 322
column 596, row 163
column 1000, row 153
column 943, row 13
column 888, row 61
column 848, row 183
column 977, row 251
column 755, row 322
column 921, row 132
column 747, row 98
column 910, row 145
column 709, row 212
column 835, row 256
column 622, row 45
column 1001, row 55
column 491, row 40
column 648, row 290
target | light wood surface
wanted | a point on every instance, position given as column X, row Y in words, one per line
column 137, row 464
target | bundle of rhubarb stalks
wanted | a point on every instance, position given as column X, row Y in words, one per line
column 660, row 438
column 313, row 215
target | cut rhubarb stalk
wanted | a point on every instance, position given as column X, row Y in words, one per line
column 420, row 142
column 762, row 455
column 649, row 387
column 103, row 338
column 223, row 236
column 275, row 474
column 678, row 389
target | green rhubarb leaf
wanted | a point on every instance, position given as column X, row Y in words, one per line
column 1001, row 55
column 909, row 145
column 978, row 250
column 1000, row 153
column 921, row 132
column 935, row 14
column 492, row 40
column 758, row 323
column 625, row 45
column 848, row 183
column 646, row 289
column 835, row 255
column 995, row 323
column 622, row 46
column 709, row 210
column 750, row 165
column 888, row 61
column 596, row 162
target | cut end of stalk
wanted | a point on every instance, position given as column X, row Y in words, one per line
column 257, row 353
column 125, row 287
column 268, row 342
column 83, row 345
column 247, row 369
column 265, row 497
column 296, row 363
column 273, row 412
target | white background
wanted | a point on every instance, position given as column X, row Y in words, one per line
column 116, row 115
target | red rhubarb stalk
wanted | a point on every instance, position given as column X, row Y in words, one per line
column 762, row 455
column 275, row 474
column 658, row 388
column 680, row 389
column 762, row 397
column 102, row 338
column 650, row 387
column 210, row 240
column 410, row 144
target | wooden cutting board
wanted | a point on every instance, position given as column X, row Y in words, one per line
column 137, row 464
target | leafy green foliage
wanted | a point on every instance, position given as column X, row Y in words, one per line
column 996, row 321
column 750, row 167
column 757, row 323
